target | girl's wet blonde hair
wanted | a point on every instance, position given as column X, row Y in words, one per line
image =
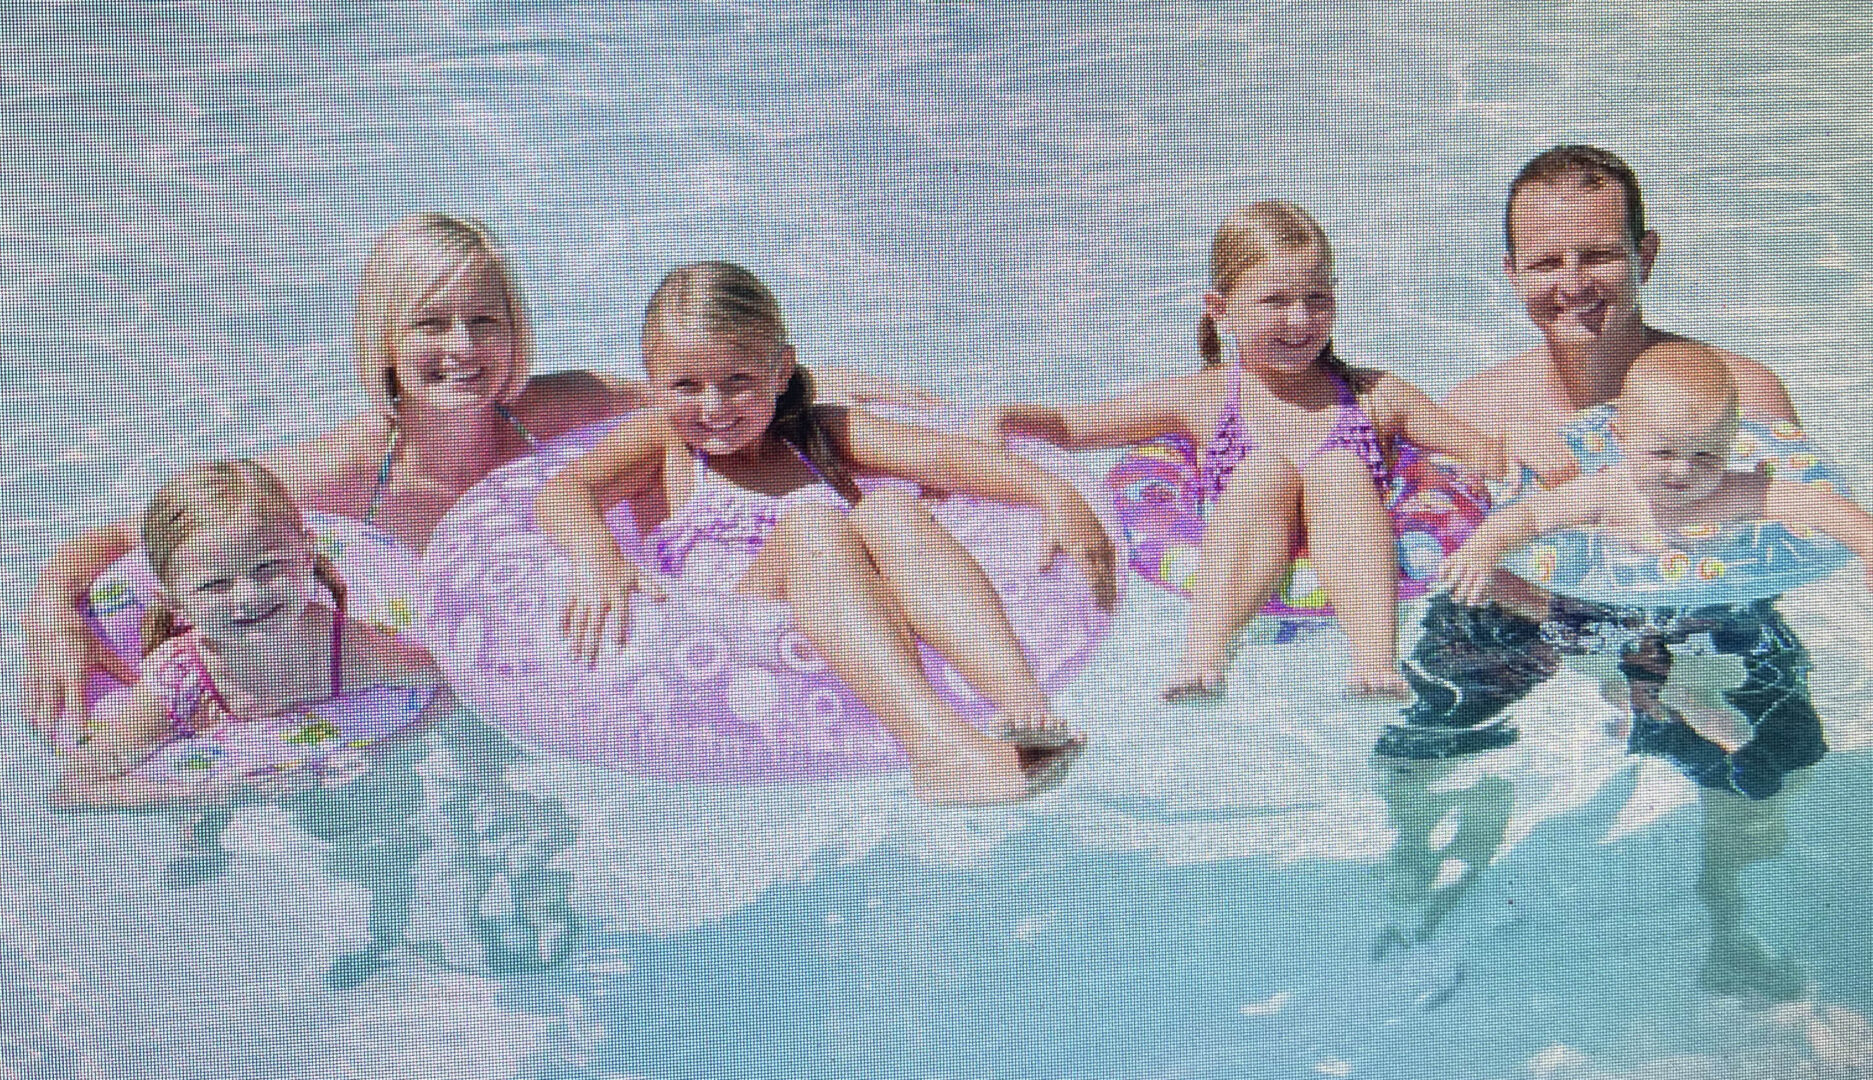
column 1247, row 239
column 721, row 299
column 409, row 262
column 203, row 497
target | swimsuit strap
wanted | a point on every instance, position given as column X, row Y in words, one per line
column 396, row 442
column 507, row 414
column 338, row 646
column 1353, row 431
column 383, row 471
column 1228, row 444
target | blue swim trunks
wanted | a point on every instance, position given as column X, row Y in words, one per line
column 1474, row 662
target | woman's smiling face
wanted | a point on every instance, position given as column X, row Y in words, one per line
column 455, row 348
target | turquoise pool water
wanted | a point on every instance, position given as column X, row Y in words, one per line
column 992, row 200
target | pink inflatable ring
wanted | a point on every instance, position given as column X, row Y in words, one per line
column 325, row 743
column 713, row 686
column 1154, row 487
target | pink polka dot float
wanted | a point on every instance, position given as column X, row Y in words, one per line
column 327, row 742
column 1154, row 488
column 713, row 686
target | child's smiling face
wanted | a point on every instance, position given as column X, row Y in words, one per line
column 242, row 578
column 719, row 392
column 455, row 349
column 1280, row 313
column 1677, row 461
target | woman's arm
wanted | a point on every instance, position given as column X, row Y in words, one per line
column 61, row 649
column 957, row 463
column 570, row 510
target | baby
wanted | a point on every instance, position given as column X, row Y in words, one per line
column 1675, row 422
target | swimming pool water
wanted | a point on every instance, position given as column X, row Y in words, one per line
column 994, row 200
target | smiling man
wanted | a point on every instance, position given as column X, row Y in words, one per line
column 1578, row 253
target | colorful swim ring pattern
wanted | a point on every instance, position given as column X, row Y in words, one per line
column 713, row 686
column 1154, row 488
column 1714, row 565
column 327, row 742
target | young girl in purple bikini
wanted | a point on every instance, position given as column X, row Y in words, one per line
column 749, row 485
column 1297, row 447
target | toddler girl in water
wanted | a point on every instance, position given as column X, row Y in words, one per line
column 750, row 483
column 236, row 632
column 1295, row 446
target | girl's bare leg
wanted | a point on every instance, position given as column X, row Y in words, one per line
column 817, row 562
column 951, row 604
column 1352, row 546
column 1246, row 544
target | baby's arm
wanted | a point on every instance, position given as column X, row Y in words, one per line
column 570, row 509
column 1145, row 413
column 954, row 463
column 1578, row 502
column 61, row 650
column 1820, row 507
column 1433, row 427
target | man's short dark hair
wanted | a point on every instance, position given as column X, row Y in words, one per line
column 1588, row 166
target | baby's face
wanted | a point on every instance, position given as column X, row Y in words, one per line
column 242, row 579
column 1678, row 461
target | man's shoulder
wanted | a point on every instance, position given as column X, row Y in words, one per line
column 1501, row 390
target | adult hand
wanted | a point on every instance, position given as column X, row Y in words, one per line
column 598, row 607
column 61, row 653
column 1467, row 573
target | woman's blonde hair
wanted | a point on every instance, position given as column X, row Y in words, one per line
column 409, row 262
column 721, row 299
column 202, row 497
column 1247, row 239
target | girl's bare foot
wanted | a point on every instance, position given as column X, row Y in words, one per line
column 1193, row 681
column 967, row 768
column 1376, row 680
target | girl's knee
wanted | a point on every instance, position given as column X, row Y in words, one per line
column 889, row 514
column 1263, row 475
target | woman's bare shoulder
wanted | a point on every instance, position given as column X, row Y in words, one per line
column 559, row 401
column 331, row 471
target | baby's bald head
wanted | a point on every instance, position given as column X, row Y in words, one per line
column 1681, row 385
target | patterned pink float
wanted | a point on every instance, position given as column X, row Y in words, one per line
column 713, row 686
column 1154, row 488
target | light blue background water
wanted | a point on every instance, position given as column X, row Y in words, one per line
column 994, row 200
